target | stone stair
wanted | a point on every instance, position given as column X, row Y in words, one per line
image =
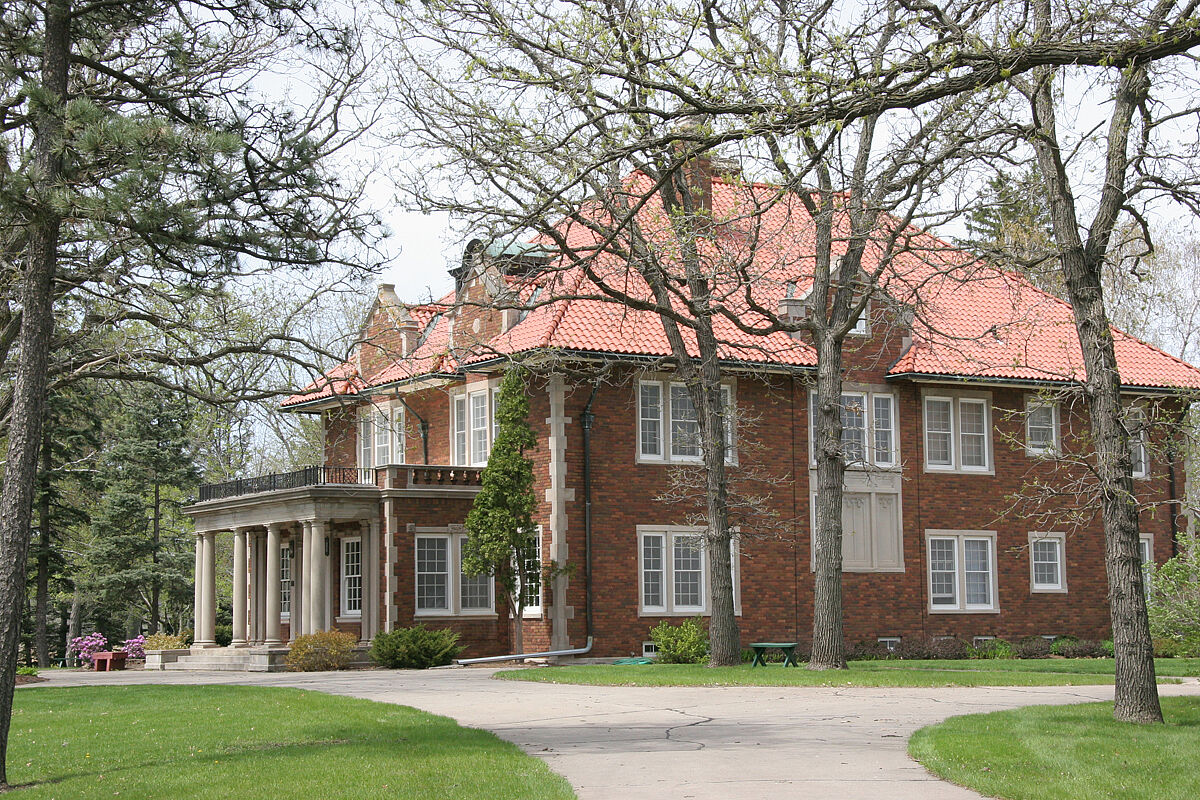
column 231, row 659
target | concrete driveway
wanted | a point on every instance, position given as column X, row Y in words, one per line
column 680, row 742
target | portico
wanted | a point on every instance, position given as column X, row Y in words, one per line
column 307, row 558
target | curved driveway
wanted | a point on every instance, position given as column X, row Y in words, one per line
column 681, row 742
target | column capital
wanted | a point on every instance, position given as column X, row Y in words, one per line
column 275, row 527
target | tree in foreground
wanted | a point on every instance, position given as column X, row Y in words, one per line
column 501, row 537
column 538, row 114
column 144, row 174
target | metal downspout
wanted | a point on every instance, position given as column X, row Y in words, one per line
column 586, row 418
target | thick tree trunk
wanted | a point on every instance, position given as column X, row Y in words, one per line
column 155, row 588
column 1136, row 688
column 41, row 608
column 828, row 644
column 29, row 385
column 72, row 627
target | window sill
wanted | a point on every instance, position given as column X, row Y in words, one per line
column 348, row 618
column 737, row 612
column 1046, row 590
column 964, row 611
column 446, row 615
column 959, row 471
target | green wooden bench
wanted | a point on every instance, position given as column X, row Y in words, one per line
column 787, row 648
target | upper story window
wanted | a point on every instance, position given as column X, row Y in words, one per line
column 1047, row 562
column 474, row 425
column 1135, row 420
column 868, row 428
column 962, row 570
column 669, row 426
column 1041, row 427
column 863, row 326
column 958, row 433
column 285, row 580
column 380, row 437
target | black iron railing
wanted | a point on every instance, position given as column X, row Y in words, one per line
column 308, row 476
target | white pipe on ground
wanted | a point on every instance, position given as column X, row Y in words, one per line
column 578, row 651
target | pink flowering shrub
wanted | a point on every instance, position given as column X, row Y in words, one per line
column 135, row 647
column 87, row 646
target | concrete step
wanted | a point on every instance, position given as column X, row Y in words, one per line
column 214, row 664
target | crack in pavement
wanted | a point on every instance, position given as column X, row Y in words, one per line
column 699, row 721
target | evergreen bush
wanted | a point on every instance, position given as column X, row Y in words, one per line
column 685, row 643
column 320, row 651
column 415, row 648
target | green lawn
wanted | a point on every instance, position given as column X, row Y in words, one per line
column 1033, row 672
column 1067, row 751
column 239, row 742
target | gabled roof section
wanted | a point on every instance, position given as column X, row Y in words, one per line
column 973, row 321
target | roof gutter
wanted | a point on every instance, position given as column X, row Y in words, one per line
column 930, row 377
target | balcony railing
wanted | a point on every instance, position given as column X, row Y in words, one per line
column 308, row 476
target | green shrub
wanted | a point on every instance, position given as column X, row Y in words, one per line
column 187, row 636
column 870, row 650
column 164, row 641
column 320, row 651
column 1174, row 603
column 1172, row 647
column 685, row 643
column 990, row 648
column 1032, row 647
column 31, row 671
column 948, row 647
column 1108, row 648
column 1079, row 648
column 1063, row 643
column 912, row 648
column 415, row 648
column 223, row 635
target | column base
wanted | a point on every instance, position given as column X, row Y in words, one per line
column 202, row 645
column 236, row 643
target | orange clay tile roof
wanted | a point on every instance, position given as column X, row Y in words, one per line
column 972, row 321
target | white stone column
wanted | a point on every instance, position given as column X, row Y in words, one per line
column 306, row 568
column 198, row 580
column 239, row 587
column 319, row 576
column 208, row 592
column 373, row 609
column 296, row 623
column 260, row 586
column 366, row 545
column 274, row 587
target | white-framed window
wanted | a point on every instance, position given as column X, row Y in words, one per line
column 285, row 580
column 863, row 326
column 473, row 425
column 1047, row 562
column 868, row 428
column 380, row 437
column 962, row 571
column 1146, row 557
column 441, row 587
column 889, row 642
column 669, row 427
column 958, row 433
column 673, row 571
column 649, row 650
column 374, row 437
column 352, row 577
column 1041, row 427
column 531, row 578
column 1135, row 419
column 398, row 442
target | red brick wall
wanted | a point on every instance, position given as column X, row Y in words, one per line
column 776, row 580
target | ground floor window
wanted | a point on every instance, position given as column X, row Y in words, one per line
column 962, row 570
column 352, row 577
column 285, row 580
column 441, row 587
column 673, row 569
column 531, row 578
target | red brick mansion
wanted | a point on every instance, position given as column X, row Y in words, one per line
column 941, row 430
